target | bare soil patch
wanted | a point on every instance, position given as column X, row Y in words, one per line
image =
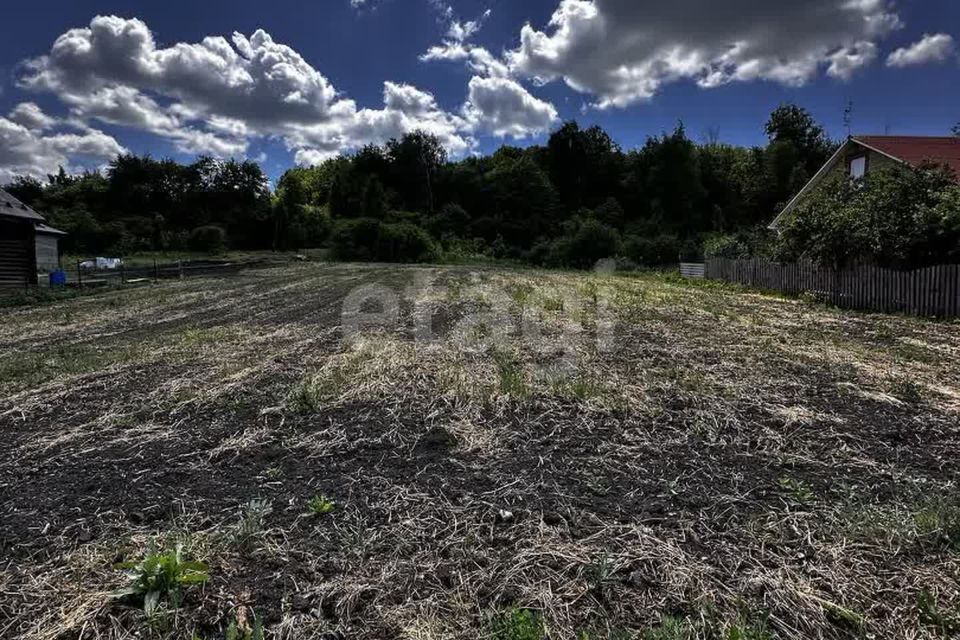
column 608, row 456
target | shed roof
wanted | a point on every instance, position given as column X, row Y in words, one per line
column 917, row 150
column 50, row 231
column 10, row 207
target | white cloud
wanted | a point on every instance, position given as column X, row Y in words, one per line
column 460, row 31
column 405, row 109
column 215, row 96
column 478, row 59
column 497, row 104
column 623, row 51
column 929, row 49
column 31, row 116
column 501, row 107
column 24, row 151
column 845, row 62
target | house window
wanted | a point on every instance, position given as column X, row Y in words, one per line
column 858, row 167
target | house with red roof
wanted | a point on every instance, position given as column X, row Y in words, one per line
column 860, row 155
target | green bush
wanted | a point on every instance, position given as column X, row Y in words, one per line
column 653, row 251
column 726, row 247
column 355, row 239
column 207, row 239
column 899, row 217
column 405, row 242
column 593, row 241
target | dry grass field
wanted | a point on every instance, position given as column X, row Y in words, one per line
column 566, row 456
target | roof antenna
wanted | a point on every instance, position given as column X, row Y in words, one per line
column 848, row 118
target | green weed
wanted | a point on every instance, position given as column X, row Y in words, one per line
column 906, row 390
column 939, row 522
column 161, row 575
column 320, row 505
column 518, row 624
column 611, row 634
column 250, row 526
column 521, row 293
column 798, row 490
column 512, row 380
column 947, row 623
column 553, row 304
column 671, row 629
column 243, row 630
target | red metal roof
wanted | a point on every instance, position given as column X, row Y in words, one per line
column 917, row 150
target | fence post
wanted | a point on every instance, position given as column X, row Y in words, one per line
column 123, row 272
column 79, row 276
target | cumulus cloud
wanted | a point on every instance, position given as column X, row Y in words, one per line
column 623, row 51
column 405, row 109
column 930, row 48
column 478, row 59
column 845, row 62
column 29, row 151
column 497, row 103
column 216, row 95
column 460, row 31
column 501, row 107
column 31, row 116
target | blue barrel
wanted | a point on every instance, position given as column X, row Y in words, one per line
column 58, row 278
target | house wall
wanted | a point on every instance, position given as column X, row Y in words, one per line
column 18, row 266
column 875, row 161
column 48, row 253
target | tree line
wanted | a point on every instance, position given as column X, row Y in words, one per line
column 578, row 198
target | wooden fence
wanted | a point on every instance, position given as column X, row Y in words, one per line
column 934, row 291
column 693, row 270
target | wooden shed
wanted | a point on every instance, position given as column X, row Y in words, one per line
column 48, row 248
column 18, row 243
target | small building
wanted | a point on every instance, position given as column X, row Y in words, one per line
column 48, row 248
column 860, row 155
column 27, row 245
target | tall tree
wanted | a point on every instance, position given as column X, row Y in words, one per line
column 415, row 160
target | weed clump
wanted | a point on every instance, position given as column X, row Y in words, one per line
column 518, row 624
column 161, row 576
column 320, row 505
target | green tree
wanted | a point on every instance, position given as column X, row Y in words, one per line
column 897, row 217
column 374, row 199
column 415, row 159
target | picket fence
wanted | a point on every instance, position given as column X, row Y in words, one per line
column 933, row 291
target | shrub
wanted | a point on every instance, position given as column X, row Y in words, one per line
column 725, row 246
column 405, row 242
column 591, row 242
column 355, row 239
column 899, row 217
column 610, row 212
column 652, row 251
column 452, row 219
column 207, row 239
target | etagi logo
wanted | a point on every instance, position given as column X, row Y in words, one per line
column 494, row 318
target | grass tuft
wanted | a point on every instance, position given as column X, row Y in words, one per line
column 518, row 624
column 320, row 505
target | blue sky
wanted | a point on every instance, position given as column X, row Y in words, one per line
column 141, row 80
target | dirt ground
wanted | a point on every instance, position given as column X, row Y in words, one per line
column 505, row 454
